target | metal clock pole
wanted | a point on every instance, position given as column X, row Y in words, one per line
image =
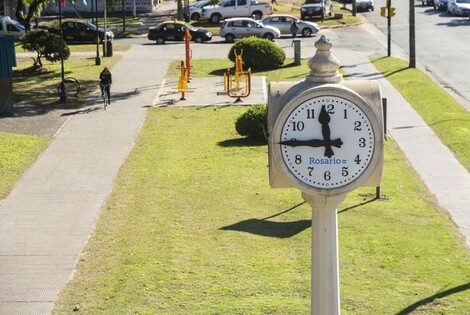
column 325, row 261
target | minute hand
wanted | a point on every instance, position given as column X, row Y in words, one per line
column 309, row 143
column 324, row 120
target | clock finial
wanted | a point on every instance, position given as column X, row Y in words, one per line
column 324, row 65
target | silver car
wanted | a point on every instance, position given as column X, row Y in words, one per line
column 245, row 27
column 194, row 11
column 284, row 21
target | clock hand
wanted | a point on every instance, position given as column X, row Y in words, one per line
column 324, row 120
column 311, row 143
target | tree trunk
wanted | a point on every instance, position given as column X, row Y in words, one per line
column 6, row 96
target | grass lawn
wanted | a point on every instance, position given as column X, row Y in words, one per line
column 17, row 153
column 192, row 227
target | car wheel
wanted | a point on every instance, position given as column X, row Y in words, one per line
column 215, row 18
column 197, row 39
column 229, row 38
column 268, row 36
column 195, row 17
column 306, row 32
column 257, row 15
column 160, row 41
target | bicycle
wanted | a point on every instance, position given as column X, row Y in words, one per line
column 104, row 94
column 71, row 86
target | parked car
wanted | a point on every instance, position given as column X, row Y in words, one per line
column 236, row 8
column 81, row 32
column 235, row 28
column 11, row 27
column 314, row 8
column 174, row 30
column 427, row 2
column 194, row 11
column 365, row 5
column 284, row 21
column 459, row 7
column 440, row 5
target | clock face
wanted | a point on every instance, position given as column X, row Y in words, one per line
column 326, row 142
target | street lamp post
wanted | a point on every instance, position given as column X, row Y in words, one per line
column 63, row 92
column 97, row 59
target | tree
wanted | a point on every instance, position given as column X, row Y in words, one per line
column 35, row 7
column 46, row 45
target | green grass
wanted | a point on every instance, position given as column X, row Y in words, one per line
column 193, row 227
column 17, row 153
column 217, row 67
column 449, row 119
column 41, row 85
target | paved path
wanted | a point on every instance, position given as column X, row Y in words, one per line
column 47, row 219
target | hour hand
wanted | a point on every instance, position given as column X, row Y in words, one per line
column 309, row 143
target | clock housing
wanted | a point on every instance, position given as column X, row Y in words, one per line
column 326, row 140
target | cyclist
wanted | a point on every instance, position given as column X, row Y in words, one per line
column 106, row 79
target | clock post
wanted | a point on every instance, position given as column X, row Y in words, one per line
column 325, row 138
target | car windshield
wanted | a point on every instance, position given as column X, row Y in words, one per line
column 19, row 26
column 192, row 28
column 462, row 1
column 313, row 1
column 200, row 4
column 90, row 25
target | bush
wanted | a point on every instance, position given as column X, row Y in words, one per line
column 258, row 53
column 46, row 45
column 253, row 123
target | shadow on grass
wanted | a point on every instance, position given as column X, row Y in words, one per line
column 241, row 142
column 35, row 95
column 267, row 228
column 387, row 74
column 433, row 297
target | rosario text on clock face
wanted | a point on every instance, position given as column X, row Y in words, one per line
column 327, row 141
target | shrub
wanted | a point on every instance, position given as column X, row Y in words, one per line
column 253, row 123
column 258, row 53
column 46, row 45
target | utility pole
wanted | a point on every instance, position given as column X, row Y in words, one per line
column 388, row 11
column 412, row 35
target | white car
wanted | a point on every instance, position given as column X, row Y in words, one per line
column 459, row 7
column 235, row 28
column 284, row 21
column 194, row 11
column 11, row 27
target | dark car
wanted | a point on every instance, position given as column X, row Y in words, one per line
column 440, row 5
column 81, row 32
column 174, row 30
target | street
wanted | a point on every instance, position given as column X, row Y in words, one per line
column 442, row 43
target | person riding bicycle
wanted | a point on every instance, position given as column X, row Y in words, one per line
column 106, row 79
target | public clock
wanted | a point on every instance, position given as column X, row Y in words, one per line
column 326, row 140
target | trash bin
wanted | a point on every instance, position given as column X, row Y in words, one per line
column 107, row 48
